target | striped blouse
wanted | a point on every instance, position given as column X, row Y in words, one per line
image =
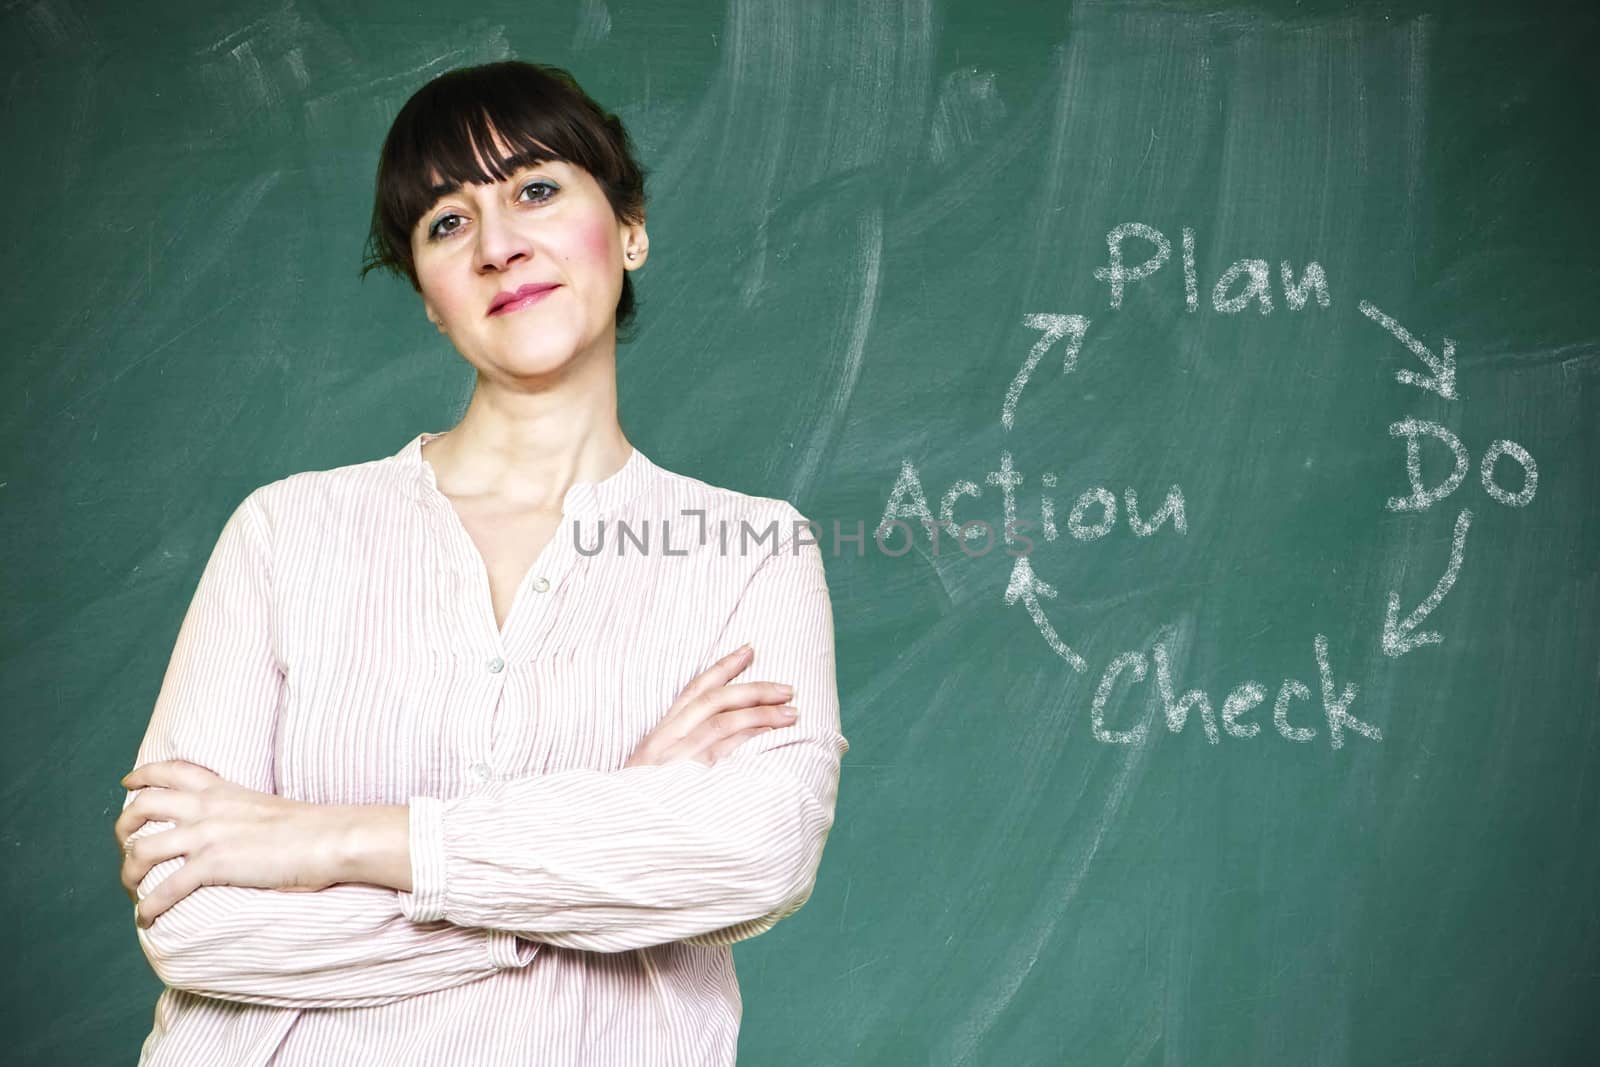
column 341, row 648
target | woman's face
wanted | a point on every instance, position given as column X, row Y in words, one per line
column 547, row 233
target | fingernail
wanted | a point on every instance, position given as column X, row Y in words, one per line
column 790, row 713
column 786, row 690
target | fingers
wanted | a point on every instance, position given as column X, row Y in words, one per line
column 719, row 673
column 712, row 716
column 125, row 825
column 712, row 738
column 685, row 731
column 709, row 692
column 724, row 732
column 173, row 888
column 743, row 694
column 742, row 719
column 169, row 774
column 139, row 856
column 727, row 744
column 154, row 805
column 158, row 808
column 730, row 698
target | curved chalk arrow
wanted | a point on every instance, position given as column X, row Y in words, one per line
column 1055, row 327
column 1025, row 586
column 1443, row 366
column 1401, row 636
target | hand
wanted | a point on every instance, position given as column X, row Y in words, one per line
column 228, row 834
column 711, row 718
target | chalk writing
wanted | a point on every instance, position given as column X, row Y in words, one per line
column 1095, row 511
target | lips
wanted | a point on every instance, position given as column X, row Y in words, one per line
column 517, row 299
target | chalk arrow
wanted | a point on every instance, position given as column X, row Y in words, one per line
column 1026, row 587
column 1443, row 367
column 1401, row 635
column 1054, row 328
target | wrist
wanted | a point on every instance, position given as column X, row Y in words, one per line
column 370, row 844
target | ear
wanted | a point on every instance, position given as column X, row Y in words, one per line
column 635, row 245
column 433, row 317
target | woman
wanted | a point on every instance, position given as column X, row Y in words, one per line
column 424, row 783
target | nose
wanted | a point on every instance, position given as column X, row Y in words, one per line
column 499, row 244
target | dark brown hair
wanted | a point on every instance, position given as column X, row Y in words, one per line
column 540, row 112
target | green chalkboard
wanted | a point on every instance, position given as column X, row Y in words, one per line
column 1268, row 756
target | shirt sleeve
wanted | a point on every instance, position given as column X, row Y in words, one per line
column 345, row 946
column 611, row 861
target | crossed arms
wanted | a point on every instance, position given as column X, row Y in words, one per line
column 596, row 860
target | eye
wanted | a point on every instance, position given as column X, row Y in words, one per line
column 546, row 191
column 550, row 189
column 438, row 230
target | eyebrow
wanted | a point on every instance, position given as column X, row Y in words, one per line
column 519, row 161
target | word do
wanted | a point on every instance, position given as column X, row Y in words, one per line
column 1422, row 498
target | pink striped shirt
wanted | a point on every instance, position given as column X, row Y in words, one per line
column 341, row 648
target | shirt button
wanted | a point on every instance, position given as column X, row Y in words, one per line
column 497, row 665
column 541, row 585
column 480, row 771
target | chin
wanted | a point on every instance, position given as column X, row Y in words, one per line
column 534, row 366
column 532, row 360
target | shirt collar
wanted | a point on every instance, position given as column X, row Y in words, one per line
column 584, row 500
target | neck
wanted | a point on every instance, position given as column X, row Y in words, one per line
column 528, row 449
